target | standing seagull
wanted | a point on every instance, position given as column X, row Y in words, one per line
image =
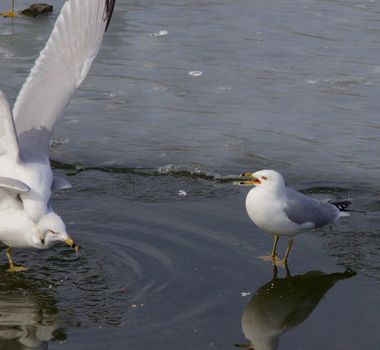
column 26, row 179
column 279, row 210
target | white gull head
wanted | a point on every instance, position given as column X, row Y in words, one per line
column 269, row 180
column 51, row 229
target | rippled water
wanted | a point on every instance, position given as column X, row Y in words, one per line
column 183, row 97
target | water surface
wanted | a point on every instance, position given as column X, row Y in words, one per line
column 183, row 97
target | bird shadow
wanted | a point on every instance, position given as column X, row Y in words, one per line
column 282, row 304
column 29, row 316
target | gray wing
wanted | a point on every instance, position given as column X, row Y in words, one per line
column 60, row 183
column 57, row 73
column 302, row 209
column 13, row 185
column 9, row 192
column 8, row 137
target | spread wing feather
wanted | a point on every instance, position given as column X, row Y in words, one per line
column 8, row 137
column 58, row 71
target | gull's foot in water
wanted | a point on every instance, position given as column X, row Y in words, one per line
column 11, row 14
column 14, row 268
column 282, row 263
column 274, row 259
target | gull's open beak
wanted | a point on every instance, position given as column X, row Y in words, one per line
column 72, row 244
column 252, row 180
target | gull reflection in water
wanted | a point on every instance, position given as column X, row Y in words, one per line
column 27, row 318
column 282, row 304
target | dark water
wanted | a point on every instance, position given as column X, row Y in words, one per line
column 169, row 258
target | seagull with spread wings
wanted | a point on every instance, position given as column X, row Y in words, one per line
column 27, row 219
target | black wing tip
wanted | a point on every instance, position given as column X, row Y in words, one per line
column 109, row 6
column 342, row 205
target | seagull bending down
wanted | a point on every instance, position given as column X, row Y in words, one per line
column 280, row 210
column 27, row 219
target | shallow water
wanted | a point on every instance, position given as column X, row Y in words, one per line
column 169, row 258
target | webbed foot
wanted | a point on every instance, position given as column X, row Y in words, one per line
column 11, row 14
column 274, row 259
column 13, row 268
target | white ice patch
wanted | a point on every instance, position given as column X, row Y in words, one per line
column 160, row 33
column 182, row 193
column 195, row 73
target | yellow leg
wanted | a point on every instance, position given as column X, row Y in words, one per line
column 288, row 275
column 273, row 257
column 275, row 272
column 10, row 13
column 290, row 244
column 12, row 267
column 276, row 238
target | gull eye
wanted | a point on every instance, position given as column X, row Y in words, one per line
column 42, row 240
column 264, row 177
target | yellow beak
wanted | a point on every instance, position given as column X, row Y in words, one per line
column 252, row 180
column 72, row 244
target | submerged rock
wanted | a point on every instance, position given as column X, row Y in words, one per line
column 37, row 10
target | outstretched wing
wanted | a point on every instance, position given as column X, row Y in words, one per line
column 58, row 71
column 8, row 137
